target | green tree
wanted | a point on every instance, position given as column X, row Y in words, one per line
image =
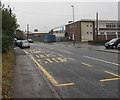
column 9, row 25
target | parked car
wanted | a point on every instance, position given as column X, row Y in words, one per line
column 30, row 40
column 25, row 44
column 118, row 46
column 18, row 43
column 112, row 43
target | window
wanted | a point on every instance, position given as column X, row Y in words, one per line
column 90, row 25
column 118, row 33
column 111, row 25
column 90, row 32
column 110, row 33
column 87, row 32
column 102, row 33
column 87, row 25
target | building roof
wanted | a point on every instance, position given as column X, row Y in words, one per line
column 99, row 20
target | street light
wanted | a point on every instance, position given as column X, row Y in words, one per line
column 73, row 27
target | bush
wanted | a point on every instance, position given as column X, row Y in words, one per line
column 7, row 43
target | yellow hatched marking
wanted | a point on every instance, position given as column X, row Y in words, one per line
column 87, row 64
column 55, row 60
column 37, row 56
column 49, row 60
column 112, row 73
column 64, row 84
column 45, row 72
column 109, row 79
column 62, row 60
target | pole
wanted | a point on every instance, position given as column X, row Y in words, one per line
column 97, row 26
column 73, row 27
column 27, row 30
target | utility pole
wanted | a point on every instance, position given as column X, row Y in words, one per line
column 27, row 30
column 73, row 27
column 97, row 26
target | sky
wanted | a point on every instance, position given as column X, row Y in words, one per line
column 47, row 15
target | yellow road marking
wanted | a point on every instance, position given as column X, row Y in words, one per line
column 112, row 73
column 49, row 60
column 25, row 51
column 45, row 72
column 37, row 56
column 109, row 79
column 53, row 81
column 60, row 55
column 64, row 84
column 87, row 64
column 70, row 59
column 62, row 60
column 55, row 60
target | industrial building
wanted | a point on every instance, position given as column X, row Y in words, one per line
column 59, row 32
column 86, row 29
column 83, row 30
column 107, row 29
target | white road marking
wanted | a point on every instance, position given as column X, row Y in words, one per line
column 51, row 48
column 65, row 51
column 102, row 60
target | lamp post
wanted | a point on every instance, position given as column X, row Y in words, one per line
column 27, row 30
column 73, row 28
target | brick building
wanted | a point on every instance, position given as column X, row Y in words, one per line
column 85, row 30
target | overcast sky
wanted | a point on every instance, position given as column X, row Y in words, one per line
column 47, row 15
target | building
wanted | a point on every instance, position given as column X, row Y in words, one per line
column 107, row 29
column 85, row 30
column 59, row 32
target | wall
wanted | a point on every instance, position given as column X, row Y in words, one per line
column 87, row 31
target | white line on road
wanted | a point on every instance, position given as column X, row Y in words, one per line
column 102, row 60
column 51, row 48
column 65, row 51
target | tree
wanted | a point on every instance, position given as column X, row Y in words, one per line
column 9, row 25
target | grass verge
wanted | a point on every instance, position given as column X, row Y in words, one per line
column 7, row 73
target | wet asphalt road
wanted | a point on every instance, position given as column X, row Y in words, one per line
column 78, row 72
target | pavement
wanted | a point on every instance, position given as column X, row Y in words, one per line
column 28, row 81
column 89, row 46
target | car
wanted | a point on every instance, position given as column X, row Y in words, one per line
column 24, row 44
column 112, row 43
column 15, row 39
column 18, row 43
column 118, row 46
column 30, row 40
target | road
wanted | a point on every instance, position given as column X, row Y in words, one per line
column 77, row 72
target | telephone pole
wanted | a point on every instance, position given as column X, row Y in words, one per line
column 27, row 30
